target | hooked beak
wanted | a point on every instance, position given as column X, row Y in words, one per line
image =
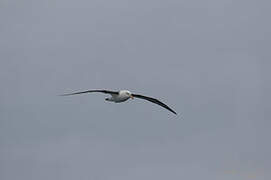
column 131, row 96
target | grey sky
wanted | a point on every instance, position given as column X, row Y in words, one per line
column 208, row 60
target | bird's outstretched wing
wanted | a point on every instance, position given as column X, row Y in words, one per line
column 90, row 91
column 153, row 100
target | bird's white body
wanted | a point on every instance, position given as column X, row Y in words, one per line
column 122, row 96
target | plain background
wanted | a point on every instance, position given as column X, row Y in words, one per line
column 208, row 60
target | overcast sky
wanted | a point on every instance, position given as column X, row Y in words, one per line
column 207, row 59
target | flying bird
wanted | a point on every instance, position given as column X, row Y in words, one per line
column 123, row 95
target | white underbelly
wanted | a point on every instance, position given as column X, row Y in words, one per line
column 118, row 98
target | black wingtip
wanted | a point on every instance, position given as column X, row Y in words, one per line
column 64, row 94
column 171, row 110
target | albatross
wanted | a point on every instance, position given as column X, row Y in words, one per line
column 123, row 95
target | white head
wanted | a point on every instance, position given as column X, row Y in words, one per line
column 126, row 93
